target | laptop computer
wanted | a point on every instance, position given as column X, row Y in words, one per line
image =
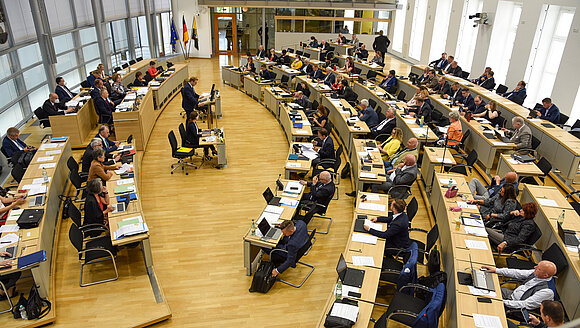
column 119, row 207
column 349, row 276
column 11, row 250
column 481, row 279
column 568, row 236
column 269, row 197
column 501, row 137
column 268, row 231
column 37, row 200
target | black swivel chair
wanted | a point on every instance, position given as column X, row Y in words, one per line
column 284, row 81
column 44, row 122
column 89, row 231
column 563, row 119
column 139, row 59
column 544, row 166
column 464, row 75
column 535, row 144
column 301, row 252
column 78, row 182
column 372, row 75
column 182, row 134
column 412, row 208
column 401, row 96
column 501, row 89
column 469, row 162
column 553, row 254
column 18, row 172
column 132, row 61
column 72, row 165
column 94, row 251
column 85, row 84
column 179, row 155
column 372, row 103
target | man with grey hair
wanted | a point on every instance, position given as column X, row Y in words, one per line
column 88, row 157
column 307, row 68
column 521, row 135
column 404, row 174
column 330, row 77
column 386, row 126
column 302, row 100
column 367, row 114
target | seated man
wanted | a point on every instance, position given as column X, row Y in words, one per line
column 14, row 147
column 386, row 126
column 454, row 95
column 389, row 83
column 424, row 110
column 105, row 107
column 552, row 314
column 330, row 77
column 51, row 107
column 295, row 236
column 261, row 53
column 519, row 92
column 549, row 111
column 397, row 233
column 63, row 92
column 304, row 88
column 521, row 135
column 324, row 147
column 316, row 74
column 347, row 93
column 468, row 102
column 431, row 81
column 441, row 62
column 479, row 105
column 399, row 157
column 265, row 74
column 453, row 69
column 362, row 52
column 479, row 191
column 442, row 88
column 96, row 90
column 404, row 174
column 367, row 114
column 534, row 288
column 321, row 189
column 104, row 134
column 302, row 100
column 306, row 68
column 489, row 81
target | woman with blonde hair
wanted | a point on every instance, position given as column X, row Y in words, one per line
column 392, row 144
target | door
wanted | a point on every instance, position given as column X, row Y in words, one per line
column 226, row 34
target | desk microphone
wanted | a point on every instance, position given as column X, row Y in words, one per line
column 278, row 183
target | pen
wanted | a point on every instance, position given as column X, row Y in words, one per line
column 356, row 250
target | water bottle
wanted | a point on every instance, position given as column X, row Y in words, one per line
column 23, row 312
column 293, row 120
column 450, row 183
column 253, row 228
column 561, row 217
column 259, row 79
column 497, row 126
column 44, row 175
column 421, row 121
column 338, row 290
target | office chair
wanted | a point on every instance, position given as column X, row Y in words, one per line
column 85, row 84
column 77, row 182
column 412, row 311
column 116, row 69
column 371, row 75
column 372, row 103
column 182, row 134
column 464, row 75
column 307, row 55
column 139, row 59
column 89, row 231
column 563, row 120
column 305, row 249
column 125, row 65
column 72, row 165
column 332, row 166
column 397, row 273
column 299, row 52
column 132, row 61
column 8, row 158
column 44, row 122
column 401, row 96
column 94, row 251
column 535, row 144
column 356, row 71
column 401, row 191
column 7, row 298
column 461, row 146
column 412, row 209
column 501, row 89
column 470, row 161
column 553, row 254
column 284, row 81
column 544, row 166
column 179, row 155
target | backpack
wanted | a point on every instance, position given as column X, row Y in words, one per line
column 35, row 303
column 345, row 173
column 65, row 206
column 16, row 309
column 263, row 280
column 25, row 158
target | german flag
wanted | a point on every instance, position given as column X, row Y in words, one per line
column 185, row 34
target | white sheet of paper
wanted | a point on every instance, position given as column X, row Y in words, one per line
column 368, row 175
column 409, row 120
column 9, row 239
column 547, row 202
column 476, row 231
column 445, row 182
column 481, row 292
column 364, row 238
column 372, row 207
column 291, row 164
column 288, row 201
column 420, row 131
column 498, row 143
column 274, row 209
column 347, row 288
column 363, row 261
column 473, row 222
column 125, row 181
column 45, row 159
column 47, row 146
column 345, row 311
column 444, row 160
column 513, row 161
column 300, row 131
column 475, row 244
column 467, row 206
column 373, row 197
column 486, row 321
column 39, row 181
column 9, row 228
column 376, row 226
column 272, row 218
column 47, row 165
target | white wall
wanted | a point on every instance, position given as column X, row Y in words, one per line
column 203, row 21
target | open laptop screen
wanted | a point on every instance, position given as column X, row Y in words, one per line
column 264, row 226
column 268, row 195
column 341, row 267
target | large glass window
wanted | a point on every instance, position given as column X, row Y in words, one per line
column 84, row 12
column 439, row 38
column 88, row 35
column 503, row 37
column 575, row 113
column 467, row 35
column 73, row 79
column 34, row 76
column 114, row 9
column 11, row 117
column 91, row 66
column 166, row 31
column 91, row 52
column 136, row 7
column 4, row 67
column 63, row 43
column 66, row 62
column 37, row 97
column 59, row 13
column 547, row 50
column 8, row 93
column 29, row 55
column 399, row 31
column 418, row 29
column 20, row 16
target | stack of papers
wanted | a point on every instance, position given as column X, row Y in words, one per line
column 346, row 311
column 373, row 197
column 8, row 239
column 288, row 202
column 210, row 139
column 364, row 238
column 130, row 96
column 472, row 222
column 35, row 189
column 274, row 209
column 547, row 202
column 362, row 261
column 420, row 131
column 486, row 321
column 39, row 181
column 481, row 292
column 445, row 182
column 294, row 165
column 476, row 231
column 54, row 152
column 373, row 225
column 372, row 207
column 475, row 244
column 125, row 105
column 47, row 146
column 9, row 228
column 47, row 165
column 368, row 175
column 466, row 206
column 300, row 131
column 272, row 218
column 142, row 91
column 409, row 120
column 293, row 187
column 125, row 181
column 130, row 230
column 444, row 160
column 124, row 168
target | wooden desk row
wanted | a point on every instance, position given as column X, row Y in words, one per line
column 372, row 274
column 128, row 74
column 163, row 93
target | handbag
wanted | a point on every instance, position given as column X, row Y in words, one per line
column 451, row 192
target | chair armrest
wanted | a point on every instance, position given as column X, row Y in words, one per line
column 390, row 271
column 278, row 250
column 511, row 281
column 525, row 248
column 415, row 286
column 417, row 229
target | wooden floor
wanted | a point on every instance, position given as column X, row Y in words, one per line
column 197, row 223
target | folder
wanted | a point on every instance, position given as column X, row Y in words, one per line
column 122, row 198
column 184, row 150
column 293, row 157
column 124, row 189
column 31, row 259
column 58, row 139
column 127, row 175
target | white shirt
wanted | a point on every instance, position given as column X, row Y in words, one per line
column 383, row 123
column 532, row 302
column 392, row 176
column 17, row 145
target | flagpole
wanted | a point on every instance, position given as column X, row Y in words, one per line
column 180, row 43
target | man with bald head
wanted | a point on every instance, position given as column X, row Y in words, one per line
column 404, row 174
column 398, row 157
column 321, row 189
column 534, row 288
column 51, row 107
column 479, row 191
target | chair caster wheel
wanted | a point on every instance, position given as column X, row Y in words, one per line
column 186, row 173
column 171, row 172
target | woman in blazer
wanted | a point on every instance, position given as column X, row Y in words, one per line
column 391, row 145
column 97, row 203
column 98, row 169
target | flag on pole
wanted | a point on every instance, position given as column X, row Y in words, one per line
column 174, row 36
column 194, row 35
column 185, row 34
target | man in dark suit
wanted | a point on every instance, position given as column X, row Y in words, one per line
column 440, row 63
column 362, row 52
column 549, row 111
column 324, row 147
column 321, row 189
column 316, row 73
column 519, row 92
column 381, row 44
column 104, row 134
column 302, row 100
column 105, row 107
column 261, row 53
column 424, row 110
column 13, row 146
column 397, row 233
column 389, row 83
column 489, row 81
column 323, row 45
column 51, row 107
column 347, row 92
column 306, row 68
column 190, row 99
column 467, row 103
column 479, row 105
column 64, row 94
column 455, row 96
column 295, row 236
column 265, row 74
column 450, row 60
column 367, row 114
column 454, row 69
column 404, row 174
column 96, row 90
column 442, row 87
column 330, row 77
column 386, row 126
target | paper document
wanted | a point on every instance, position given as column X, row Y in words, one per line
column 481, row 292
column 47, row 146
column 125, row 181
column 54, row 152
column 142, row 91
column 467, row 206
column 498, row 143
column 547, row 202
column 45, row 159
column 295, row 165
column 37, row 190
column 371, row 149
column 9, row 228
column 131, row 96
column 368, row 175
column 409, row 120
column 472, row 222
column 475, row 244
column 372, row 225
column 14, row 215
column 444, row 160
column 288, row 202
column 372, row 207
column 373, row 197
column 347, row 288
column 285, row 194
column 293, row 187
column 443, row 129
column 346, row 311
column 445, row 182
column 513, row 161
column 476, row 231
column 47, row 165
column 362, row 261
column 420, row 131
column 130, row 230
column 364, row 238
column 39, row 181
column 272, row 218
column 300, row 131
column 486, row 321
column 124, row 168
column 274, row 209
column 210, row 139
column 9, row 239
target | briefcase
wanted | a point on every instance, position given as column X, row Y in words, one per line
column 30, row 218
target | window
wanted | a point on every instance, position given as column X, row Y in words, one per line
column 11, row 117
column 89, row 67
column 8, row 93
column 66, row 62
column 59, row 13
column 37, row 97
column 166, row 30
column 136, row 7
column 29, row 55
column 20, row 16
column 63, row 43
column 575, row 113
column 72, row 79
column 503, row 37
column 91, row 52
column 418, row 29
column 467, row 35
column 439, row 38
column 547, row 49
column 162, row 5
column 383, row 26
column 399, row 31
column 114, row 9
column 34, row 76
column 4, row 68
column 84, row 12
column 88, row 35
